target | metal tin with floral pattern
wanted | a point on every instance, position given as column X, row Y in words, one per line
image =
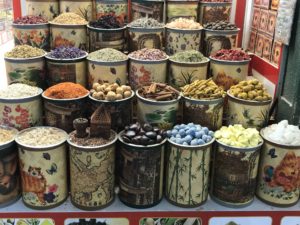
column 84, row 8
column 186, row 9
column 214, row 11
column 49, row 9
column 119, row 8
column 145, row 8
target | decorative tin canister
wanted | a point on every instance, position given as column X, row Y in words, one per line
column 228, row 73
column 187, row 174
column 22, row 113
column 279, row 174
column 106, row 38
column 183, row 73
column 60, row 113
column 49, row 9
column 179, row 40
column 29, row 71
column 251, row 114
column 36, row 35
column 43, row 171
column 66, row 70
column 186, row 9
column 84, row 8
column 140, row 38
column 119, row 8
column 159, row 113
column 142, row 72
column 141, row 174
column 214, row 11
column 120, row 111
column 110, row 72
column 147, row 8
column 10, row 188
column 234, row 175
column 215, row 40
column 208, row 113
column 92, row 171
column 68, row 35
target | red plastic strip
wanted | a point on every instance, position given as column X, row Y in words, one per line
column 240, row 18
column 17, row 8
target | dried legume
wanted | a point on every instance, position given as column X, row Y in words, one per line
column 220, row 25
column 146, row 23
column 110, row 92
column 231, row 55
column 63, row 52
column 148, row 54
column 189, row 56
column 159, row 92
column 30, row 20
column 183, row 23
column 41, row 136
column 7, row 134
column 203, row 89
column 66, row 90
column 143, row 134
column 107, row 55
column 250, row 90
column 24, row 52
column 107, row 22
column 19, row 90
column 238, row 136
column 69, row 19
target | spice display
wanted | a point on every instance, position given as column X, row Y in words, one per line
column 220, row 25
column 65, row 52
column 30, row 20
column 110, row 92
column 237, row 136
column 146, row 22
column 283, row 133
column 250, row 90
column 66, row 90
column 108, row 21
column 183, row 23
column 148, row 54
column 231, row 55
column 188, row 56
column 6, row 134
column 159, row 92
column 203, row 89
column 41, row 136
column 215, row 0
column 143, row 134
column 69, row 19
column 190, row 134
column 107, row 55
column 19, row 90
column 24, row 52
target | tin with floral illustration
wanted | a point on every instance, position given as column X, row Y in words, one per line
column 214, row 11
column 279, row 174
column 179, row 40
column 68, row 35
column 49, row 9
column 84, row 8
column 119, row 8
column 22, row 113
column 185, row 9
column 66, row 70
column 145, row 8
column 36, row 35
column 43, row 169
column 110, row 72
column 187, row 174
column 234, row 175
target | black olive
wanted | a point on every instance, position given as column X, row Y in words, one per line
column 130, row 134
column 151, row 135
column 147, row 127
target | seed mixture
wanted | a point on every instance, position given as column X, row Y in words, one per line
column 107, row 55
column 183, row 23
column 231, row 55
column 220, row 25
column 189, row 56
column 19, row 90
column 63, row 52
column 30, row 20
column 41, row 136
column 66, row 90
column 110, row 92
column 7, row 134
column 159, row 92
column 148, row 54
column 107, row 22
column 146, row 23
column 69, row 19
column 24, row 52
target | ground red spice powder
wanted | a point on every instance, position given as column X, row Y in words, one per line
column 66, row 90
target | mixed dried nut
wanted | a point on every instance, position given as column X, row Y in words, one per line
column 159, row 92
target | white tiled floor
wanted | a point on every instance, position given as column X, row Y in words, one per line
column 4, row 48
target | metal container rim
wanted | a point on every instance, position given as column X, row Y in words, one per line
column 207, row 60
column 66, row 60
column 204, row 101
column 241, row 149
column 212, row 59
column 192, row 147
column 155, row 101
column 12, row 140
column 104, row 29
column 116, row 101
column 66, row 99
column 247, row 102
column 26, row 99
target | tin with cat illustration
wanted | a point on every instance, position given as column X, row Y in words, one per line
column 43, row 166
column 279, row 174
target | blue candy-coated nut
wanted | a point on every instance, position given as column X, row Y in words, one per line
column 173, row 139
column 211, row 133
column 191, row 132
column 182, row 126
column 191, row 124
column 185, row 143
column 186, row 128
column 178, row 136
column 208, row 139
column 194, row 142
column 205, row 129
column 204, row 137
column 198, row 127
column 169, row 133
column 200, row 142
column 188, row 138
column 177, row 127
column 198, row 134
column 174, row 132
column 179, row 141
column 182, row 132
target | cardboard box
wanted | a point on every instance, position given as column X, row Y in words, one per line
column 259, row 44
column 276, row 52
column 272, row 22
column 256, row 18
column 257, row 3
column 264, row 18
column 267, row 50
column 265, row 4
column 275, row 4
column 252, row 41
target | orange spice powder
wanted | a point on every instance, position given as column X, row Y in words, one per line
column 66, row 90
